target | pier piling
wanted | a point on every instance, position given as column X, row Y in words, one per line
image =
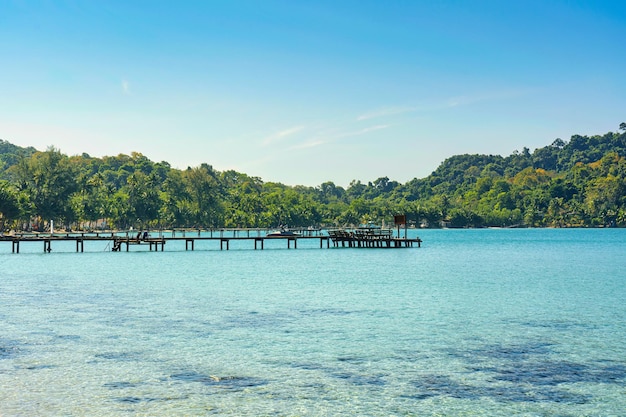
column 339, row 238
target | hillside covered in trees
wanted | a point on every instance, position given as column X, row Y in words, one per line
column 580, row 183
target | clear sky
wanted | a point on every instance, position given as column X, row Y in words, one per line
column 304, row 92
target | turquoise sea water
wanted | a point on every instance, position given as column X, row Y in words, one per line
column 525, row 322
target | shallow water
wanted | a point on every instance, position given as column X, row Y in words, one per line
column 490, row 322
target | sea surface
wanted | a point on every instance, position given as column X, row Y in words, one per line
column 492, row 322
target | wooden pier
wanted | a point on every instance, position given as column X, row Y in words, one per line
column 371, row 239
column 156, row 241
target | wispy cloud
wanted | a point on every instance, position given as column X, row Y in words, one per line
column 125, row 87
column 361, row 131
column 389, row 111
column 466, row 100
column 309, row 144
column 322, row 139
column 442, row 104
column 276, row 137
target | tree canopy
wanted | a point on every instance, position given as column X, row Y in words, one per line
column 575, row 183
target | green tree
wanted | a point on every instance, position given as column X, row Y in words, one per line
column 9, row 204
column 205, row 195
column 49, row 179
column 143, row 198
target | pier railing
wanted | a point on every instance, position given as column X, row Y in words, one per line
column 370, row 238
column 157, row 239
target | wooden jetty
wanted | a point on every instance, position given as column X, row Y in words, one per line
column 382, row 238
column 123, row 241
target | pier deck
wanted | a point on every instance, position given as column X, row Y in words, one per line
column 380, row 239
column 125, row 240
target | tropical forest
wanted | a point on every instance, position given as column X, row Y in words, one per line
column 575, row 183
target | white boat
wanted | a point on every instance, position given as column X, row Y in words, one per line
column 282, row 233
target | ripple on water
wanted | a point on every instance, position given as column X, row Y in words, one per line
column 121, row 385
column 443, row 386
column 10, row 348
column 119, row 356
column 525, row 372
column 552, row 373
column 233, row 383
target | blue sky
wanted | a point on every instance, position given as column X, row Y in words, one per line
column 307, row 92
